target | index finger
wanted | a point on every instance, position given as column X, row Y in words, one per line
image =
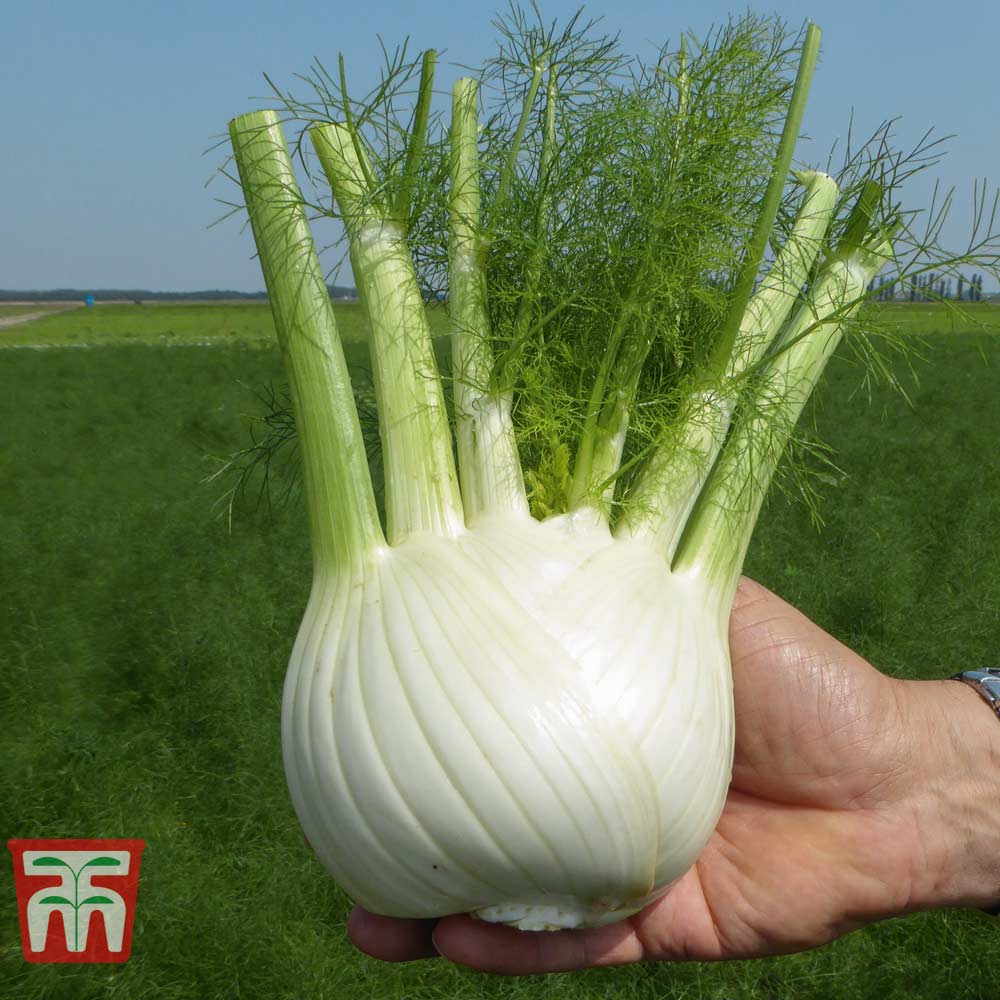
column 391, row 939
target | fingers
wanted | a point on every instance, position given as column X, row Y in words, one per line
column 492, row 947
column 677, row 927
column 504, row 950
column 389, row 938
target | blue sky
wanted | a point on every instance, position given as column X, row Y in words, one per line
column 109, row 108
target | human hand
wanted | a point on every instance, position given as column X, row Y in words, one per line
column 850, row 795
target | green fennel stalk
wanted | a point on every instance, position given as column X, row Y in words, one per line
column 602, row 304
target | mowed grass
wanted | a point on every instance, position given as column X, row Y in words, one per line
column 143, row 648
column 9, row 310
column 174, row 325
column 941, row 318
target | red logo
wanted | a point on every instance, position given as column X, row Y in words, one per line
column 76, row 898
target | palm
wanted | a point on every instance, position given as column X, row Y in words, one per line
column 805, row 850
column 805, row 838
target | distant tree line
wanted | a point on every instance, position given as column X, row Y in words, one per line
column 144, row 295
column 929, row 287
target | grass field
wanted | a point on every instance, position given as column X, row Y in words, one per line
column 143, row 648
column 172, row 325
column 248, row 324
column 15, row 309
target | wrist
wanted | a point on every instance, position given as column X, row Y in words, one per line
column 953, row 795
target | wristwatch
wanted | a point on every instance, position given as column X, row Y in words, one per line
column 987, row 682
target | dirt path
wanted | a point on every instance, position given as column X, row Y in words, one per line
column 6, row 321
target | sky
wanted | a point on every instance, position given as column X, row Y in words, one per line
column 110, row 109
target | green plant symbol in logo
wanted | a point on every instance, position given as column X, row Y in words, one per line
column 76, row 902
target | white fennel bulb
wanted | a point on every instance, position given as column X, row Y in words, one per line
column 510, row 694
column 504, row 722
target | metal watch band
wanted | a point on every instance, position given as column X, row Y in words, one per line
column 987, row 682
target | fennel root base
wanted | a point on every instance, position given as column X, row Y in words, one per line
column 561, row 914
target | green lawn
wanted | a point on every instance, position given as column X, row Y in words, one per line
column 26, row 308
column 173, row 325
column 120, row 323
column 143, row 648
column 944, row 317
column 17, row 310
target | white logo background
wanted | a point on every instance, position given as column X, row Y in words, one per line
column 78, row 890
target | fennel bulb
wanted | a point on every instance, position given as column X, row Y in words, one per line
column 503, row 722
column 511, row 696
